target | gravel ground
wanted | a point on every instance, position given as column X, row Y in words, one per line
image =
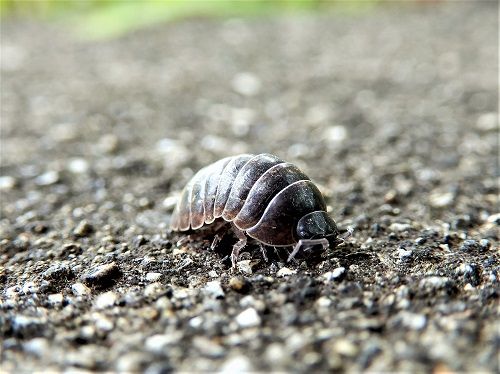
column 392, row 112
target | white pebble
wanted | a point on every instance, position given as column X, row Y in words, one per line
column 399, row 227
column 170, row 201
column 47, row 178
column 213, row 274
column 248, row 318
column 214, row 289
column 285, row 272
column 237, row 364
column 78, row 165
column 335, row 134
column 56, row 298
column 153, row 277
column 7, row 182
column 404, row 254
column 335, row 274
column 246, row 84
column 79, row 289
column 487, row 121
column 441, row 200
column 413, row 321
column 106, row 300
column 244, row 267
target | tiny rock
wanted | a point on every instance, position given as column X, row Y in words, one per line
column 56, row 299
column 285, row 272
column 404, row 254
column 399, row 227
column 7, row 182
column 239, row 284
column 246, row 84
column 214, row 289
column 78, row 165
column 335, row 274
column 102, row 275
column 441, row 200
column 48, row 178
column 469, row 245
column 83, row 229
column 106, row 300
column 79, row 289
column 153, row 277
column 248, row 318
column 245, row 267
column 435, row 282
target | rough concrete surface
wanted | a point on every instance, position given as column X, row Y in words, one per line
column 392, row 112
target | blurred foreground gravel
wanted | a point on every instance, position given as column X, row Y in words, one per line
column 392, row 112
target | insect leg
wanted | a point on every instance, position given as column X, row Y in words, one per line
column 216, row 241
column 238, row 246
column 307, row 243
column 263, row 251
column 236, row 250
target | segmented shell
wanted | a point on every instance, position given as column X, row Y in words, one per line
column 261, row 194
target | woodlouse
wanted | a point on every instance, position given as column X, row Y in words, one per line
column 263, row 197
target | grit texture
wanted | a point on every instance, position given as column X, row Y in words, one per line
column 392, row 112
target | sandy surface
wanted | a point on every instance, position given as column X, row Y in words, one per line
column 392, row 112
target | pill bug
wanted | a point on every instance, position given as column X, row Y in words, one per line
column 263, row 197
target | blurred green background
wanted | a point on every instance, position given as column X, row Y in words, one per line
column 97, row 19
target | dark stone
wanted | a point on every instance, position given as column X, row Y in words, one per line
column 102, row 275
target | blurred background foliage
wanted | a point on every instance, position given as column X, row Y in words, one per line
column 97, row 19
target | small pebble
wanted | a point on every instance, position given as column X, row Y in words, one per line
column 208, row 347
column 435, row 282
column 246, row 84
column 48, row 178
column 248, row 318
column 335, row 134
column 469, row 245
column 103, row 324
column 345, row 348
column 399, row 227
column 285, row 272
column 83, row 229
column 214, row 289
column 26, row 326
column 30, row 288
column 487, row 121
column 153, row 277
column 58, row 271
column 420, row 241
column 78, row 165
column 169, row 202
column 413, row 321
column 485, row 244
column 155, row 290
column 108, row 143
column 239, row 284
column 102, row 275
column 236, row 364
column 404, row 254
column 494, row 218
column 244, row 267
column 213, row 274
column 441, row 200
column 79, row 289
column 106, row 300
column 7, row 182
column 37, row 346
column 56, row 299
column 335, row 274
